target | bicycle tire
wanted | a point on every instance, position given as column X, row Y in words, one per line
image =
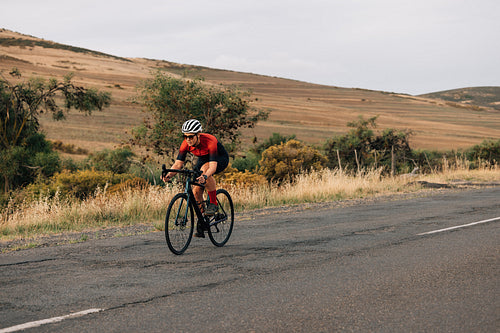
column 221, row 224
column 179, row 223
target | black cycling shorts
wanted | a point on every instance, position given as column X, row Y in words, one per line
column 222, row 160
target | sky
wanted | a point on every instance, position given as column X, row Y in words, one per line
column 403, row 46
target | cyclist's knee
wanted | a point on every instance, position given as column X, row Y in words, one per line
column 197, row 189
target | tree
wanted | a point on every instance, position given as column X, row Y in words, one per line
column 353, row 148
column 170, row 101
column 361, row 148
column 21, row 104
column 392, row 147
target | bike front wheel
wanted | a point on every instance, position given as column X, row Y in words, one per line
column 179, row 224
column 221, row 224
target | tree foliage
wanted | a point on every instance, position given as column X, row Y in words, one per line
column 251, row 160
column 274, row 139
column 353, row 148
column 361, row 147
column 21, row 103
column 116, row 161
column 170, row 101
column 488, row 151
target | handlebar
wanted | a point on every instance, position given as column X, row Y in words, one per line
column 194, row 173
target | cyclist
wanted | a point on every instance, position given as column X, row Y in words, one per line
column 212, row 159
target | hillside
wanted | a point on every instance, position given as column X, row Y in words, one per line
column 312, row 112
column 488, row 97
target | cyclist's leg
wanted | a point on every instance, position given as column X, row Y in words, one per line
column 201, row 165
column 210, row 186
column 198, row 196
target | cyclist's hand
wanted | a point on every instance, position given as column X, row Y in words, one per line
column 165, row 178
column 202, row 179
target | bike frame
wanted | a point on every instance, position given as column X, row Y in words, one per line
column 191, row 200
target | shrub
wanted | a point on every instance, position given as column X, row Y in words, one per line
column 286, row 160
column 68, row 148
column 243, row 179
column 79, row 184
column 21, row 165
column 135, row 183
column 249, row 162
column 115, row 161
column 273, row 140
column 360, row 148
column 488, row 151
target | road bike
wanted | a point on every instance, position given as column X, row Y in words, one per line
column 181, row 212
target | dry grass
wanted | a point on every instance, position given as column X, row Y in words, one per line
column 56, row 215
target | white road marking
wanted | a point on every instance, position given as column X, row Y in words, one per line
column 47, row 321
column 457, row 227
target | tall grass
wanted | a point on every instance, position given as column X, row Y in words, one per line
column 49, row 215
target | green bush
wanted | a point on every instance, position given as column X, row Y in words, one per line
column 273, row 140
column 115, row 161
column 68, row 148
column 249, row 162
column 79, row 184
column 22, row 165
column 361, row 148
column 428, row 161
column 488, row 151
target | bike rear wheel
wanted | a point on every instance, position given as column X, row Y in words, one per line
column 179, row 224
column 221, row 224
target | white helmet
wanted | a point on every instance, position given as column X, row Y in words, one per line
column 191, row 126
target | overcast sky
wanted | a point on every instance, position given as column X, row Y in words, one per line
column 404, row 46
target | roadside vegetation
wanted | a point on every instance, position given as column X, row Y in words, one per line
column 142, row 203
column 43, row 193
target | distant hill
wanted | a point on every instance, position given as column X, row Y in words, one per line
column 488, row 97
column 312, row 112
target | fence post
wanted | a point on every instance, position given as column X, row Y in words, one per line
column 392, row 161
column 356, row 156
column 340, row 164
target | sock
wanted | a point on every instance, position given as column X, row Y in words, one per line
column 213, row 197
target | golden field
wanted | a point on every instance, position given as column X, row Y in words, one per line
column 312, row 112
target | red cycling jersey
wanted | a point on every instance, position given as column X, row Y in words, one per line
column 206, row 146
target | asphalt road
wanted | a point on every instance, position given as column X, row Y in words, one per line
column 358, row 266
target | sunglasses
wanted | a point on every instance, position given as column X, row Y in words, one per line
column 189, row 136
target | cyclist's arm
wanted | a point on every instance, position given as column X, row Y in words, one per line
column 212, row 168
column 178, row 164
